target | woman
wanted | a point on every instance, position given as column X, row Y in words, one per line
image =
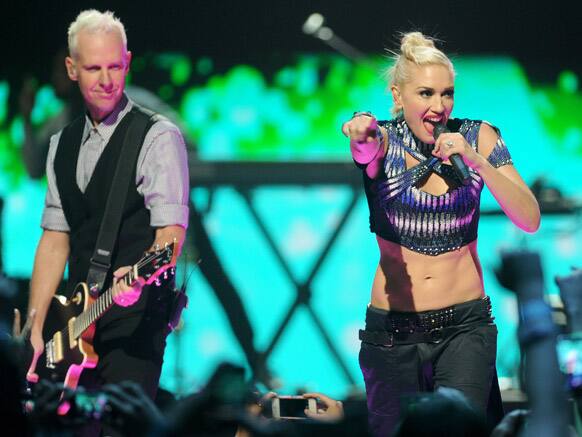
column 429, row 321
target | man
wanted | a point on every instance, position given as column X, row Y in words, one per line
column 81, row 163
column 34, row 155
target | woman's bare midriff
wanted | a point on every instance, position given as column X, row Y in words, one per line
column 410, row 281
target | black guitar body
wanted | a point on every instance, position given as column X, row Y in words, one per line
column 66, row 355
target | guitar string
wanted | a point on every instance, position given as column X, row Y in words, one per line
column 104, row 300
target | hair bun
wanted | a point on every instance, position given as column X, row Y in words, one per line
column 411, row 42
column 416, row 49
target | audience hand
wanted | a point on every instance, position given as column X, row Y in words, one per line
column 521, row 272
column 53, row 406
column 331, row 410
column 21, row 335
column 262, row 407
column 20, row 338
column 130, row 410
column 571, row 294
column 511, row 425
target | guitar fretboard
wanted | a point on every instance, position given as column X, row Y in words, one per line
column 101, row 304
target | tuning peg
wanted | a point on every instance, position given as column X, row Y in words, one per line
column 157, row 247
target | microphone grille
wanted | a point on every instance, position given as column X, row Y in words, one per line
column 438, row 130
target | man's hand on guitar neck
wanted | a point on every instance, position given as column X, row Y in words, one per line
column 125, row 294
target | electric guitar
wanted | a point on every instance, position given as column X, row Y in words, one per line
column 69, row 327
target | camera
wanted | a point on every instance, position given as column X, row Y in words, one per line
column 569, row 349
column 292, row 407
column 90, row 404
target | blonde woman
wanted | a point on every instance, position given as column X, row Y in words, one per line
column 429, row 322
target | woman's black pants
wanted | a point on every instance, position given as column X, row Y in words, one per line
column 403, row 353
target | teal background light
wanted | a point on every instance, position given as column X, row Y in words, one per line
column 293, row 111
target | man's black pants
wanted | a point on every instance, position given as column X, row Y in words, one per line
column 130, row 343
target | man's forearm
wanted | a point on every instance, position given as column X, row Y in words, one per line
column 49, row 265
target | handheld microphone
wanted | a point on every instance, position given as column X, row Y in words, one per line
column 461, row 169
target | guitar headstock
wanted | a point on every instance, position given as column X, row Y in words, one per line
column 154, row 263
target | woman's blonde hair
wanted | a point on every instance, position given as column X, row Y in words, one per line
column 415, row 49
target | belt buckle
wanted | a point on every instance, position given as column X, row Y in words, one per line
column 436, row 335
column 390, row 341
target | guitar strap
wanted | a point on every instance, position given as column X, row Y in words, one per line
column 132, row 141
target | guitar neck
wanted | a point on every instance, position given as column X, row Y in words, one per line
column 100, row 306
column 148, row 268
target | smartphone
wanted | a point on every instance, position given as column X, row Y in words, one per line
column 569, row 349
column 90, row 404
column 292, row 407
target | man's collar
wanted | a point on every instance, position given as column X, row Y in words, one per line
column 106, row 127
column 115, row 115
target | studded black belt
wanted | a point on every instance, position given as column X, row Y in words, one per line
column 436, row 335
column 429, row 326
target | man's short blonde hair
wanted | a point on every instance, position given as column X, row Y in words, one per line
column 94, row 21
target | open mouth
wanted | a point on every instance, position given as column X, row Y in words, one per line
column 430, row 122
column 433, row 120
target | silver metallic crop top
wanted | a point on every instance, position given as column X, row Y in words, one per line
column 404, row 214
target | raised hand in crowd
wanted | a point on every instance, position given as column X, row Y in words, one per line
column 512, row 424
column 20, row 338
column 129, row 410
column 571, row 294
column 46, row 408
column 520, row 271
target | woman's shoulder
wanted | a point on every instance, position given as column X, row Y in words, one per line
column 463, row 124
column 468, row 124
column 481, row 134
column 468, row 127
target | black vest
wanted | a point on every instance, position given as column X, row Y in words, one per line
column 84, row 211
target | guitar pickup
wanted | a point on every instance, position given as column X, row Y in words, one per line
column 54, row 350
column 72, row 333
column 48, row 350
